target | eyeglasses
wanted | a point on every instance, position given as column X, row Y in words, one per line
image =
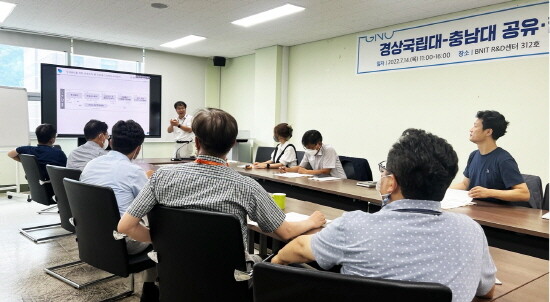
column 382, row 168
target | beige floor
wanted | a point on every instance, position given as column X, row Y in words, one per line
column 22, row 277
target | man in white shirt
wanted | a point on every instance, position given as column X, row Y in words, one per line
column 320, row 159
column 97, row 139
column 183, row 134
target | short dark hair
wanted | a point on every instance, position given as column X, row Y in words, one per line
column 283, row 130
column 493, row 120
column 312, row 137
column 126, row 136
column 216, row 130
column 93, row 128
column 179, row 103
column 45, row 132
column 423, row 164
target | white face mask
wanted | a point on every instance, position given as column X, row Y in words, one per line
column 105, row 144
column 385, row 197
column 311, row 152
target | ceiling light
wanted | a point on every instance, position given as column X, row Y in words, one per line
column 269, row 15
column 183, row 41
column 5, row 10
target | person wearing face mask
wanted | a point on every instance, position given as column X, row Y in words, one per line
column 319, row 159
column 97, row 140
column 410, row 238
column 284, row 154
column 116, row 170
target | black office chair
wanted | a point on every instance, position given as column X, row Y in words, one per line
column 534, row 184
column 198, row 253
column 57, row 174
column 274, row 282
column 41, row 192
column 96, row 216
column 299, row 156
column 356, row 168
column 348, row 168
column 264, row 153
column 545, row 200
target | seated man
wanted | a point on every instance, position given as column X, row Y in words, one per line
column 115, row 170
column 410, row 238
column 45, row 152
column 492, row 174
column 97, row 138
column 319, row 159
column 209, row 184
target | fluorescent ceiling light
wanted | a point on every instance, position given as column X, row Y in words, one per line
column 5, row 10
column 183, row 41
column 269, row 15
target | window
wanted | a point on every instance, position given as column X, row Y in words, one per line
column 20, row 67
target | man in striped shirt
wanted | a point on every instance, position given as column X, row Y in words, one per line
column 209, row 184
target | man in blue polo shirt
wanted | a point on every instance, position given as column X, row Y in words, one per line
column 44, row 152
column 410, row 238
column 492, row 174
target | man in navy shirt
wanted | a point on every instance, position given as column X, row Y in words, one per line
column 492, row 174
column 44, row 152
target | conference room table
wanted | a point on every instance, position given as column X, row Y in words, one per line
column 520, row 274
column 517, row 229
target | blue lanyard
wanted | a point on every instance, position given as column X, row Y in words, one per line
column 419, row 211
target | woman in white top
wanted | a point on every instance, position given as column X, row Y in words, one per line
column 285, row 152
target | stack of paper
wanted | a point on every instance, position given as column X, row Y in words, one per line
column 546, row 216
column 456, row 198
column 324, row 178
column 292, row 175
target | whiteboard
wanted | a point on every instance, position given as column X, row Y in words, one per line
column 14, row 117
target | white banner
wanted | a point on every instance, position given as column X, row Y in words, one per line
column 505, row 33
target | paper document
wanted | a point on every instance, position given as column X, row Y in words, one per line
column 230, row 161
column 324, row 178
column 498, row 282
column 290, row 216
column 456, row 198
column 546, row 216
column 292, row 175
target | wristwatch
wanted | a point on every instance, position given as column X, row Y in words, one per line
column 267, row 166
column 179, row 126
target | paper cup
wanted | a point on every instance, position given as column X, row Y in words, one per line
column 280, row 200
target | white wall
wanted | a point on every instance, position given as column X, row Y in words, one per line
column 237, row 90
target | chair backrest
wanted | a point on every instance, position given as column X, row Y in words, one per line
column 299, row 156
column 264, row 153
column 348, row 168
column 41, row 193
column 545, row 200
column 274, row 282
column 57, row 174
column 96, row 216
column 356, row 168
column 197, row 253
column 534, row 184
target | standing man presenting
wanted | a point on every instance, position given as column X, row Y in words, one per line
column 492, row 174
column 183, row 135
